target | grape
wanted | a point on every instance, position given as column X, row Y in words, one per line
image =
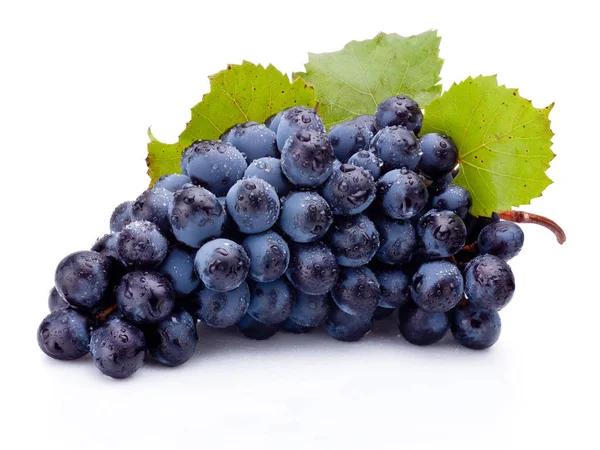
column 56, row 301
column 398, row 240
column 118, row 348
column 222, row 309
column 153, row 205
column 397, row 147
column 394, row 288
column 399, row 110
column 475, row 328
column 310, row 310
column 172, row 341
column 292, row 327
column 368, row 121
column 253, row 205
column 83, row 278
column 357, row 291
column 141, row 245
column 501, row 239
column 271, row 302
column 121, row 216
column 229, row 227
column 440, row 155
column 403, row 194
column 442, row 233
column 349, row 190
column 453, row 198
column 353, row 240
column 368, row 161
column 222, row 265
column 305, row 216
column 382, row 313
column 437, row 286
column 269, row 256
column 64, row 334
column 214, row 165
column 269, row 169
column 313, row 269
column 172, row 182
column 489, row 282
column 476, row 224
column 272, row 122
column 178, row 269
column 107, row 246
column 295, row 119
column 307, row 158
column 253, row 329
column 145, row 297
column 420, row 327
column 253, row 140
column 346, row 327
column 347, row 138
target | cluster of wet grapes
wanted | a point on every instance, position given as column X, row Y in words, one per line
column 283, row 226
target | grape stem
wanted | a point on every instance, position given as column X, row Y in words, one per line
column 316, row 108
column 525, row 217
column 102, row 315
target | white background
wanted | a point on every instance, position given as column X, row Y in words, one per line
column 80, row 82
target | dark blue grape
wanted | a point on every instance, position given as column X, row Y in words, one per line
column 349, row 190
column 229, row 227
column 313, row 269
column 56, row 301
column 172, row 182
column 346, row 327
column 196, row 215
column 307, row 158
column 442, row 233
column 437, row 184
column 368, row 161
column 398, row 240
column 173, row 340
column 253, row 205
column 121, row 216
column 453, row 198
column 141, row 245
column 178, row 268
column 420, row 327
column 347, row 138
column 305, row 216
column 353, row 240
column 83, row 278
column 271, row 302
column 64, row 334
column 153, row 205
column 394, row 288
column 145, row 297
column 440, row 155
column 118, row 348
column 222, row 309
column 272, row 122
column 403, row 194
column 476, row 224
column 437, row 286
column 107, row 246
column 253, row 140
column 489, row 282
column 222, row 265
column 475, row 328
column 310, row 310
column 269, row 169
column 269, row 256
column 295, row 119
column 368, row 121
column 356, row 292
column 292, row 327
column 214, row 165
column 399, row 110
column 501, row 239
column 253, row 329
column 397, row 147
column 382, row 313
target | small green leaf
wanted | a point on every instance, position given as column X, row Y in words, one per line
column 503, row 142
column 241, row 93
column 354, row 80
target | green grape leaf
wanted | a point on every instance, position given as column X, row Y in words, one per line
column 354, row 80
column 504, row 143
column 241, row 93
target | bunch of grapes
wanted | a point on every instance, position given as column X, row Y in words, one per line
column 285, row 226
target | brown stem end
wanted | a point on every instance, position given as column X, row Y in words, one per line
column 525, row 217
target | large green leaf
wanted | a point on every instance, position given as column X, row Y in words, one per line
column 503, row 141
column 354, row 80
column 238, row 94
